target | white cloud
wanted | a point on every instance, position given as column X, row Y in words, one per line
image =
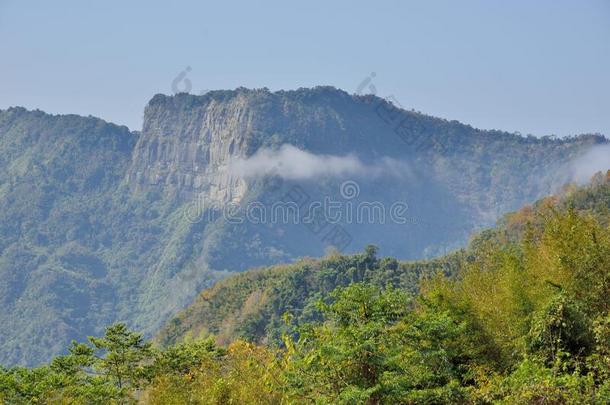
column 292, row 163
column 595, row 160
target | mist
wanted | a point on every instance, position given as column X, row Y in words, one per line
column 292, row 163
column 595, row 160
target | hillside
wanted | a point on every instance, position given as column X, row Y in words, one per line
column 76, row 246
column 521, row 316
column 57, row 176
column 101, row 224
column 252, row 305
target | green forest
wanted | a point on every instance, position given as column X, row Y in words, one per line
column 519, row 316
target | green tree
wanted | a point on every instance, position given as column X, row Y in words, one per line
column 186, row 357
column 372, row 348
column 560, row 332
column 124, row 355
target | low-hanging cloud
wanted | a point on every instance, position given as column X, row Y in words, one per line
column 292, row 163
column 597, row 159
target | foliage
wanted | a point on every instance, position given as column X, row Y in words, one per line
column 242, row 374
column 106, row 370
column 522, row 319
column 373, row 349
column 559, row 331
column 252, row 305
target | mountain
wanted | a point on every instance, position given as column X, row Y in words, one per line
column 101, row 224
column 58, row 174
column 252, row 305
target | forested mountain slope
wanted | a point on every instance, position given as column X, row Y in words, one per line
column 57, row 178
column 522, row 315
column 100, row 224
column 252, row 305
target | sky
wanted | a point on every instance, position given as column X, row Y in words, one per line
column 539, row 67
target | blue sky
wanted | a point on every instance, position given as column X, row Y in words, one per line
column 540, row 67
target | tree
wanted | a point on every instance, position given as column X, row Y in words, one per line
column 124, row 354
column 105, row 371
column 560, row 332
column 372, row 348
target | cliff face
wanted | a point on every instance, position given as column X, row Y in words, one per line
column 186, row 145
column 188, row 141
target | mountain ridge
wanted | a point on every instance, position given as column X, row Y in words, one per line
column 159, row 98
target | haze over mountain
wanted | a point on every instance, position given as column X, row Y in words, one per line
column 253, row 305
column 99, row 223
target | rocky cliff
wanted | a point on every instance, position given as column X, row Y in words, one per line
column 188, row 142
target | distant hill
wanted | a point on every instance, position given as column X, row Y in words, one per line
column 99, row 223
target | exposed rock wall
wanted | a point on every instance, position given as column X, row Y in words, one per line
column 186, row 149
